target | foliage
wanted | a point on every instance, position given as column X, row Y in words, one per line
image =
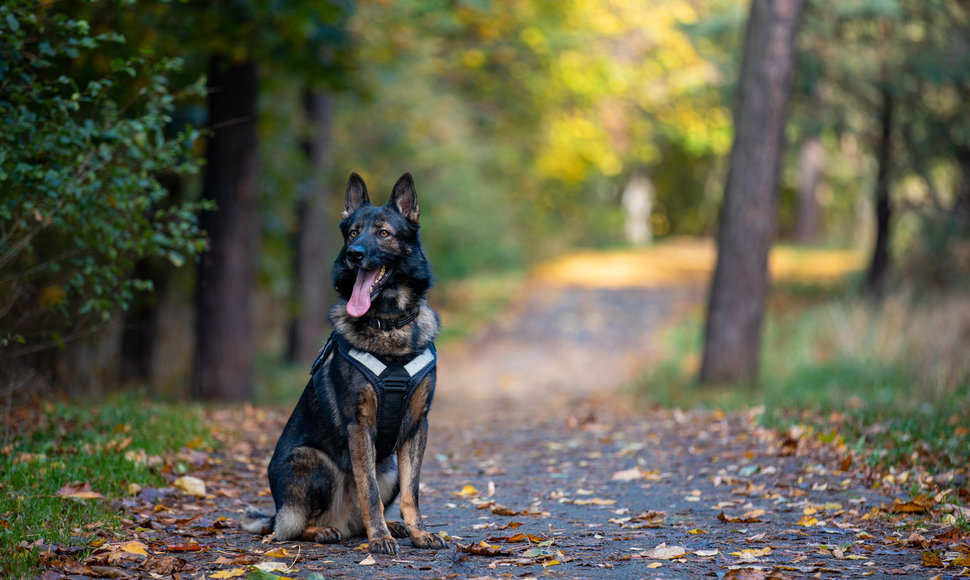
column 109, row 447
column 80, row 172
column 891, row 380
column 524, row 120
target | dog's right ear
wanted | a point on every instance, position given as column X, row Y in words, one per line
column 356, row 195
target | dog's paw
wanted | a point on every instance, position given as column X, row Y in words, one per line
column 382, row 546
column 422, row 539
column 327, row 536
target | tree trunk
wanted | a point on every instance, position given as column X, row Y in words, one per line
column 875, row 277
column 312, row 248
column 140, row 321
column 748, row 217
column 811, row 162
column 223, row 325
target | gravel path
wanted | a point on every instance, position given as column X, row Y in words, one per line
column 538, row 465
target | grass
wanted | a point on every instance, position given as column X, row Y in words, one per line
column 109, row 446
column 891, row 380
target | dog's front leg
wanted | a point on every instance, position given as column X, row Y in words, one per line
column 365, row 476
column 409, row 455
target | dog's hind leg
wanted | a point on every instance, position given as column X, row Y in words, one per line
column 306, row 502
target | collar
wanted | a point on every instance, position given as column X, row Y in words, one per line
column 390, row 323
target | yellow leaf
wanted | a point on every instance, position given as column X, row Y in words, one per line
column 654, row 565
column 228, row 573
column 277, row 553
column 468, row 491
column 191, row 485
column 807, row 521
column 134, row 547
column 548, row 563
column 696, row 531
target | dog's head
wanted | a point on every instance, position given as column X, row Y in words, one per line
column 381, row 262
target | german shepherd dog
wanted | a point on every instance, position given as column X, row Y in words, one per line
column 337, row 465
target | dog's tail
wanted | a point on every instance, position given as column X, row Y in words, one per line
column 257, row 522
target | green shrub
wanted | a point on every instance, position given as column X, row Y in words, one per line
column 80, row 160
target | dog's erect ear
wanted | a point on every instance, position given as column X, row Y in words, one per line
column 404, row 199
column 356, row 195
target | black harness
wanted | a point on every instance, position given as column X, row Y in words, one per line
column 394, row 383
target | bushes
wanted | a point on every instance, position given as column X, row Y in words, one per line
column 81, row 155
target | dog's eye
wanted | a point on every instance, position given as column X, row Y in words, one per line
column 384, row 233
column 353, row 234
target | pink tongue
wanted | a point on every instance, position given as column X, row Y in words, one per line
column 359, row 301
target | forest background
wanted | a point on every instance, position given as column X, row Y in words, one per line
column 140, row 133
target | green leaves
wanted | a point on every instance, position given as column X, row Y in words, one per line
column 82, row 199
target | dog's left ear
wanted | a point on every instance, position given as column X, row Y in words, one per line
column 404, row 198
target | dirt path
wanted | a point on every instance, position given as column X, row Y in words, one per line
column 537, row 465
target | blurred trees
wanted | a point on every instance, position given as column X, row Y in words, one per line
column 523, row 122
column 747, row 229
column 80, row 166
column 896, row 110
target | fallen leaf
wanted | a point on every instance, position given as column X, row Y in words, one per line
column 368, row 561
column 594, row 501
column 706, row 553
column 133, row 547
column 467, row 491
column 752, row 555
column 190, row 485
column 277, row 553
column 483, row 548
column 79, row 491
column 664, row 552
column 190, row 547
column 235, row 572
column 808, row 521
column 932, row 560
column 271, row 566
column 745, row 519
column 654, row 565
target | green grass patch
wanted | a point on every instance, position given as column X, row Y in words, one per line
column 891, row 380
column 110, row 446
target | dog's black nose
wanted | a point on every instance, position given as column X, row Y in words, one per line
column 355, row 254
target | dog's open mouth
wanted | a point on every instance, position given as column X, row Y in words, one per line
column 367, row 286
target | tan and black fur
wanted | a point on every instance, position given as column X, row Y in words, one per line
column 325, row 476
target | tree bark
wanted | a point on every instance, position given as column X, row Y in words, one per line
column 223, row 325
column 748, row 218
column 312, row 247
column 876, row 276
column 811, row 162
column 140, row 321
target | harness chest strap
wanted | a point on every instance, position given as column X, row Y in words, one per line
column 394, row 384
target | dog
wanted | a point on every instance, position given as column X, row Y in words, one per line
column 357, row 436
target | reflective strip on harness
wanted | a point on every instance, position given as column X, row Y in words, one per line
column 368, row 360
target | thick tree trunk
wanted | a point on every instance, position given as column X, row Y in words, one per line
column 811, row 162
column 223, row 325
column 312, row 248
column 747, row 224
column 876, row 276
